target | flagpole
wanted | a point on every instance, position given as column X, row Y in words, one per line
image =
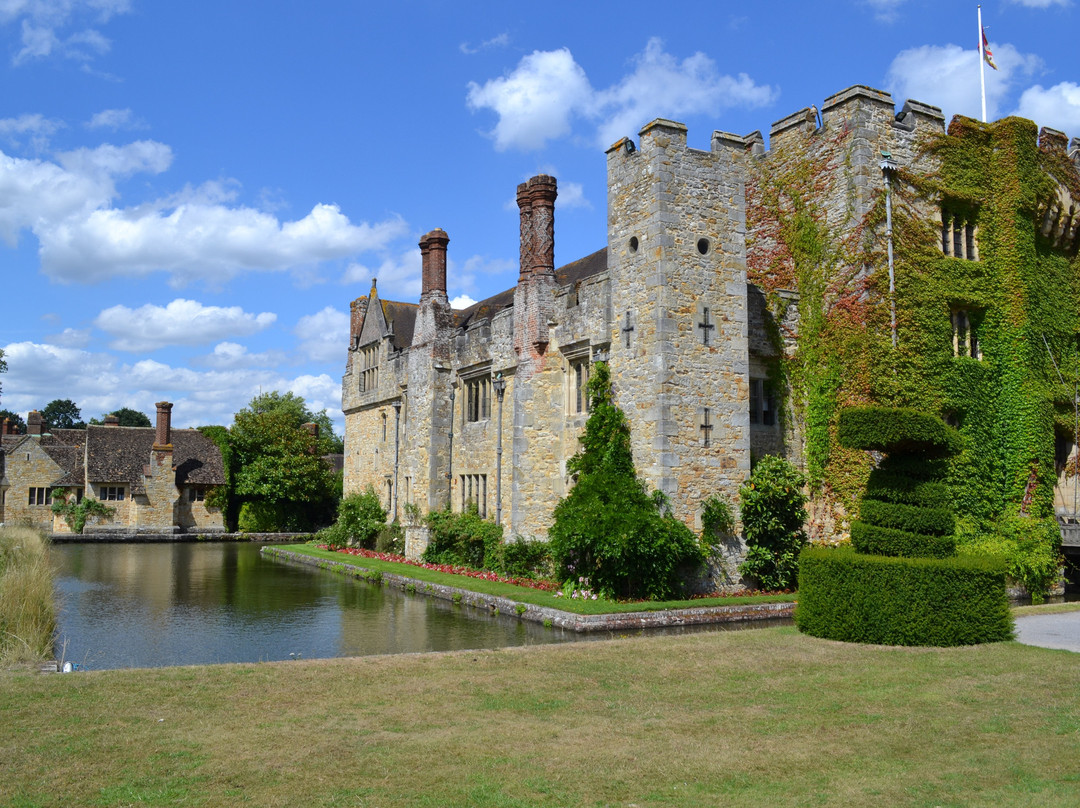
column 982, row 67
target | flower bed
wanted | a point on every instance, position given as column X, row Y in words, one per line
column 487, row 575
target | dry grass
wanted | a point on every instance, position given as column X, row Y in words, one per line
column 27, row 609
column 752, row 718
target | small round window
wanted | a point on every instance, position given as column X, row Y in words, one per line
column 703, row 246
column 633, row 244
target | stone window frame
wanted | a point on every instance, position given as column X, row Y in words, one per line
column 762, row 403
column 474, row 490
column 38, row 496
column 368, row 357
column 383, row 413
column 578, row 358
column 196, row 493
column 959, row 233
column 388, row 489
column 476, row 393
column 112, row 493
column 966, row 323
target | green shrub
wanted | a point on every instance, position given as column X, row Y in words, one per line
column 76, row 514
column 717, row 519
column 608, row 529
column 463, row 539
column 896, row 430
column 525, row 558
column 260, row 517
column 1029, row 547
column 877, row 540
column 912, row 518
column 360, row 518
column 773, row 508
column 844, row 595
column 391, row 539
column 904, row 489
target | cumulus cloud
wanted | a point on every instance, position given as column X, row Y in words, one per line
column 72, row 338
column 885, row 10
column 115, row 119
column 232, row 355
column 323, row 334
column 398, row 275
column 548, row 90
column 1057, row 107
column 947, row 76
column 572, row 195
column 83, row 237
column 36, row 126
column 181, row 322
column 97, row 382
column 462, row 302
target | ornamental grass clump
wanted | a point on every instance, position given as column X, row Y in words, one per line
column 27, row 608
column 608, row 529
column 901, row 582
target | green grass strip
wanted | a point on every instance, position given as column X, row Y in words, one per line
column 524, row 594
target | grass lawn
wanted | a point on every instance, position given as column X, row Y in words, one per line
column 524, row 594
column 749, row 718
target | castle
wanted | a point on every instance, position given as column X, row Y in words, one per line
column 723, row 271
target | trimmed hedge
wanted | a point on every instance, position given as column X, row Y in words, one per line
column 903, row 489
column 912, row 518
column 894, row 429
column 851, row 597
column 887, row 541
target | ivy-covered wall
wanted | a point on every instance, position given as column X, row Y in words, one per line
column 816, row 225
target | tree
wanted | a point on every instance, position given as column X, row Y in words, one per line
column 16, row 420
column 297, row 409
column 63, row 413
column 276, row 470
column 608, row 530
column 3, row 367
column 127, row 416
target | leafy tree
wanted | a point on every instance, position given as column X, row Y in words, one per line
column 608, row 529
column 3, row 367
column 276, row 470
column 297, row 409
column 63, row 413
column 126, row 416
column 773, row 508
column 16, row 420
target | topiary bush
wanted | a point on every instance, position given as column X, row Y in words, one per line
column 849, row 596
column 773, row 508
column 900, row 582
column 608, row 529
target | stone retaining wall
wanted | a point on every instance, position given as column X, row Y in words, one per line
column 134, row 537
column 546, row 615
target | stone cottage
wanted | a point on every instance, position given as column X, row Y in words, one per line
column 156, row 479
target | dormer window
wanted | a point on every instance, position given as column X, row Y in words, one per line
column 369, row 368
column 965, row 327
column 959, row 235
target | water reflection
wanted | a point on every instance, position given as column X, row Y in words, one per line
column 148, row 605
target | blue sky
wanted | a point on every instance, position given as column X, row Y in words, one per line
column 191, row 193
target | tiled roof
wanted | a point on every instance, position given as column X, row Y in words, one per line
column 402, row 318
column 118, row 454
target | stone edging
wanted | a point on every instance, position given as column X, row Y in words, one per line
column 545, row 614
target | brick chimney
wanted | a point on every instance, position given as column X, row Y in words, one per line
column 534, row 297
column 112, row 420
column 313, row 430
column 5, row 429
column 163, row 434
column 433, row 264
column 34, row 423
column 357, row 312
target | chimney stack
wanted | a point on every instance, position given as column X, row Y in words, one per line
column 34, row 423
column 6, row 428
column 433, row 264
column 536, row 205
column 112, row 420
column 163, row 435
column 313, row 430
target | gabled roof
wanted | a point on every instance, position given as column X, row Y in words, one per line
column 401, row 320
column 118, row 454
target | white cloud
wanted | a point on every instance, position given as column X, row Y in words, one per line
column 181, row 322
column 540, row 99
column 885, row 10
column 462, row 302
column 535, row 102
column 947, row 76
column 323, row 335
column 72, row 338
column 231, row 356
column 43, row 24
column 115, row 119
column 398, row 276
column 1057, row 107
column 572, row 195
column 191, row 235
column 36, row 124
column 500, row 41
column 1040, row 3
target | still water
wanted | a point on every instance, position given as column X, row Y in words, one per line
column 147, row 605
